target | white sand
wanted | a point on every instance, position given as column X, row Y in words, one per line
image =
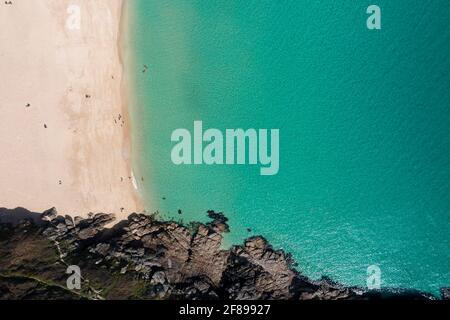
column 78, row 162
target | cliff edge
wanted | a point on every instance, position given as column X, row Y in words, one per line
column 146, row 258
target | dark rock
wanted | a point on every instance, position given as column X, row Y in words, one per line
column 50, row 214
column 219, row 223
column 172, row 261
column 445, row 292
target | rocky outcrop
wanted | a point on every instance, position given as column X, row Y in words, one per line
column 145, row 258
column 445, row 292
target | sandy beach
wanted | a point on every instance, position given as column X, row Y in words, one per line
column 64, row 129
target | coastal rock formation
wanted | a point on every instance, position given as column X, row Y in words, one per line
column 445, row 293
column 146, row 258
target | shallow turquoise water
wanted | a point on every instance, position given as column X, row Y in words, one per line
column 364, row 125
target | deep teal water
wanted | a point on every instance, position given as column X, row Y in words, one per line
column 364, row 125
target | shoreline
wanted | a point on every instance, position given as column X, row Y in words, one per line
column 127, row 105
column 251, row 270
column 129, row 61
column 65, row 129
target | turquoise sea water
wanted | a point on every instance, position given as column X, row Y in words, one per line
column 364, row 119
